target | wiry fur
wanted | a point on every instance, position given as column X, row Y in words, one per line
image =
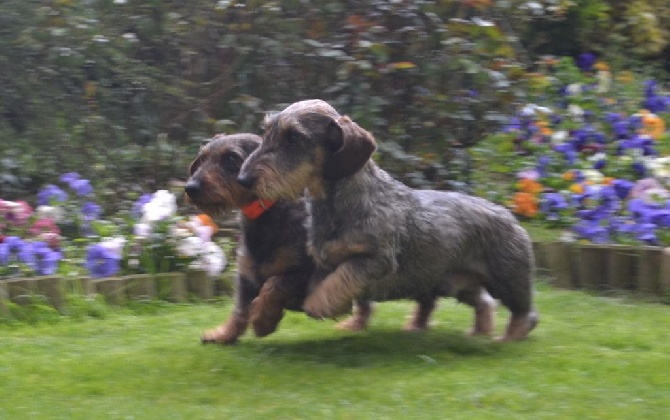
column 273, row 265
column 374, row 238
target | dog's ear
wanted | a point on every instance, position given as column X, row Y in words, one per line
column 349, row 148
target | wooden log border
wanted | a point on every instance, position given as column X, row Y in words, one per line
column 574, row 265
column 174, row 287
column 569, row 265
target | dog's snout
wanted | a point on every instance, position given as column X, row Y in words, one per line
column 192, row 188
column 246, row 180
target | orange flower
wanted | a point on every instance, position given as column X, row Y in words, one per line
column 601, row 66
column 529, row 186
column 525, row 204
column 608, row 180
column 568, row 175
column 544, row 129
column 207, row 221
column 653, row 125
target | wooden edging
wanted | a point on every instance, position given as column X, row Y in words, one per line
column 574, row 265
column 173, row 287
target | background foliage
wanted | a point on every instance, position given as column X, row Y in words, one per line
column 124, row 92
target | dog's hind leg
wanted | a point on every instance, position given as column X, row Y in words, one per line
column 359, row 320
column 469, row 291
column 520, row 325
column 421, row 316
column 517, row 296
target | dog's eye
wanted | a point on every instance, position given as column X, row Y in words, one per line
column 292, row 137
column 230, row 162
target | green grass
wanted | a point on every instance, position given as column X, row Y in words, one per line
column 591, row 357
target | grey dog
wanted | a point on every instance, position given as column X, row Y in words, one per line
column 374, row 238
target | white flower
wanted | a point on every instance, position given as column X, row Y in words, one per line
column 191, row 246
column 604, row 81
column 57, row 214
column 574, row 89
column 114, row 245
column 660, row 167
column 212, row 260
column 596, row 157
column 655, row 195
column 530, row 110
column 180, row 232
column 576, row 112
column 559, row 136
column 163, row 205
column 596, row 177
column 143, row 230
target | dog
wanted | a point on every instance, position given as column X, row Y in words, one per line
column 273, row 266
column 374, row 238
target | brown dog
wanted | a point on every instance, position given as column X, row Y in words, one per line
column 374, row 238
column 273, row 266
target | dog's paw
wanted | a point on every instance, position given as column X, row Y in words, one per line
column 218, row 336
column 354, row 323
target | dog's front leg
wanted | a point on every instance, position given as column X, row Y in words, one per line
column 334, row 295
column 236, row 325
column 286, row 291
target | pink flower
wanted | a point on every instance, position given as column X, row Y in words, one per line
column 43, row 226
column 528, row 174
column 643, row 185
column 51, row 239
column 17, row 212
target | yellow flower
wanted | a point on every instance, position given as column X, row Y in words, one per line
column 625, row 77
column 577, row 188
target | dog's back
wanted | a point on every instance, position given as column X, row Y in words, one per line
column 430, row 236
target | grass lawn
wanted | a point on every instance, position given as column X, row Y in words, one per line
column 590, row 357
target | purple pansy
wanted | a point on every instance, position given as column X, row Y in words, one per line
column 101, row 261
column 82, row 187
column 45, row 259
column 49, row 194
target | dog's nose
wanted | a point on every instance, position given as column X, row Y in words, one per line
column 192, row 188
column 245, row 180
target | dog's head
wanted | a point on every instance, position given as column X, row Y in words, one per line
column 303, row 146
column 212, row 184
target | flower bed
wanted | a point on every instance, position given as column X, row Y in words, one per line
column 148, row 250
column 590, row 154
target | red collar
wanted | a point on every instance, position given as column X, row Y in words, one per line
column 254, row 209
